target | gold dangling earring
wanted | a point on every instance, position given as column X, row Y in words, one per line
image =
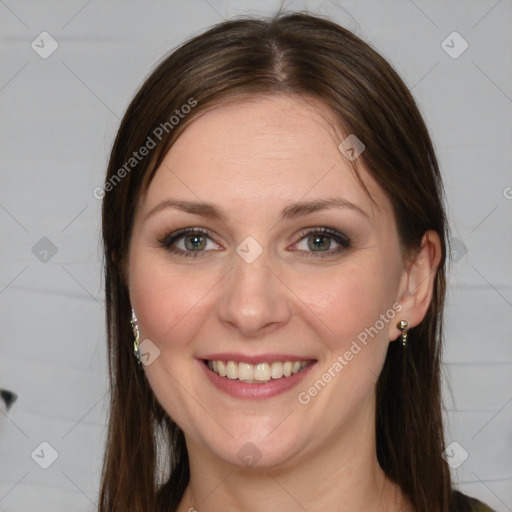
column 403, row 326
column 136, row 335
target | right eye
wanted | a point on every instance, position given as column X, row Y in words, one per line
column 188, row 242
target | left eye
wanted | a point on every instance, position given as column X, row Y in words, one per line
column 321, row 240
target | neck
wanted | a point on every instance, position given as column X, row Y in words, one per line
column 341, row 473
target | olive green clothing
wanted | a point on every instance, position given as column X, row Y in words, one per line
column 464, row 503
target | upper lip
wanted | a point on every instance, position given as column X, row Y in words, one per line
column 254, row 359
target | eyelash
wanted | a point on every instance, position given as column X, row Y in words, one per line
column 342, row 240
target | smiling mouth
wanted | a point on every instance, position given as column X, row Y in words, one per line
column 257, row 373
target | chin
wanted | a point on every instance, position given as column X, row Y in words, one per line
column 254, row 449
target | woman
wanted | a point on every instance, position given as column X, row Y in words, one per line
column 275, row 252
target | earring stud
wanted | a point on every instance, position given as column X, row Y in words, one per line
column 403, row 326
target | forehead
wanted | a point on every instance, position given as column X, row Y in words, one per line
column 248, row 151
column 264, row 129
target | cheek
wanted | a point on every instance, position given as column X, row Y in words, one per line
column 346, row 301
column 167, row 299
column 347, row 305
column 171, row 307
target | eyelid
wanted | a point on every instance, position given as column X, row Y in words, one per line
column 171, row 237
column 168, row 240
column 324, row 230
column 344, row 242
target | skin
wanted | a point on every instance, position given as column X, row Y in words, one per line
column 252, row 159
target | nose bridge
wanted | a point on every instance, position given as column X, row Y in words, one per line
column 253, row 298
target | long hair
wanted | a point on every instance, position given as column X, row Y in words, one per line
column 146, row 462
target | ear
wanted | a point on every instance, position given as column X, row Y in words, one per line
column 417, row 283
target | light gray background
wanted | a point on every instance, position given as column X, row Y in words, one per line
column 58, row 119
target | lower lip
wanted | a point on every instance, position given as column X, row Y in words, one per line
column 240, row 389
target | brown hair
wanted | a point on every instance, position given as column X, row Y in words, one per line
column 146, row 462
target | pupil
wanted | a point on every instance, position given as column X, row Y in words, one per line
column 319, row 242
column 195, row 242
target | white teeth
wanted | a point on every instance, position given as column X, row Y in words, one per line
column 261, row 372
column 221, row 368
column 276, row 370
column 232, row 370
column 245, row 371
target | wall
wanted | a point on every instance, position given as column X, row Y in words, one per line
column 59, row 114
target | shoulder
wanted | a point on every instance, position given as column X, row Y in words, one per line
column 463, row 503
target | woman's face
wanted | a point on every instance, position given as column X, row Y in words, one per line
column 255, row 245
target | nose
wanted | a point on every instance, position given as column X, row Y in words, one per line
column 254, row 301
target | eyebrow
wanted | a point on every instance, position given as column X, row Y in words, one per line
column 294, row 210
